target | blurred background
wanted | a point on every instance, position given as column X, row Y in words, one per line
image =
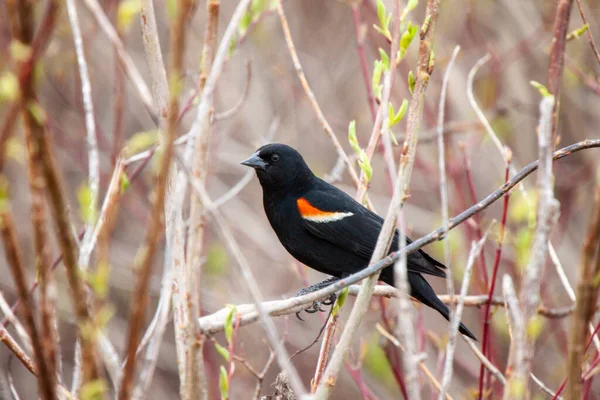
column 517, row 34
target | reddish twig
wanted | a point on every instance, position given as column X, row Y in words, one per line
column 46, row 375
column 486, row 320
column 557, row 57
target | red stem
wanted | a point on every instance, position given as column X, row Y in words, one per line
column 486, row 321
column 360, row 46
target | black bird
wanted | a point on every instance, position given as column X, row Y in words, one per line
column 327, row 230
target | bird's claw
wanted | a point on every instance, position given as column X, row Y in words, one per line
column 316, row 306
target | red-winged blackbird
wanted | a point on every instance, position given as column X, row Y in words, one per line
column 327, row 230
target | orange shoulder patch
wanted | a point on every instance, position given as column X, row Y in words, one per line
column 312, row 213
column 308, row 210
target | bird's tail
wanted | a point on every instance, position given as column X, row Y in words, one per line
column 421, row 291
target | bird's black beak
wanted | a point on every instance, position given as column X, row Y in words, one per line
column 255, row 162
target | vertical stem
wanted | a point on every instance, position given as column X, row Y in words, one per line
column 155, row 225
column 47, row 381
column 557, row 57
column 587, row 293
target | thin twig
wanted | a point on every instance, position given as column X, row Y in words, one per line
column 8, row 313
column 587, row 294
column 85, row 250
column 492, row 287
column 557, row 58
column 443, row 178
column 422, row 365
column 47, row 382
column 360, row 31
column 160, row 86
column 455, row 320
column 238, row 106
column 128, row 65
column 547, row 214
column 311, row 96
column 91, row 141
column 589, row 33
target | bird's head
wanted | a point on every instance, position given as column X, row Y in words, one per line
column 279, row 166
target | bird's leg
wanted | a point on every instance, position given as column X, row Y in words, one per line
column 316, row 306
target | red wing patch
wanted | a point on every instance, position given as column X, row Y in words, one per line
column 311, row 213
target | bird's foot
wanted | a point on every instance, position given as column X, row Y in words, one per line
column 316, row 306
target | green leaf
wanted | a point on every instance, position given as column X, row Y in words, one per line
column 4, row 194
column 395, row 118
column 406, row 39
column 577, row 32
column 411, row 5
column 217, row 260
column 352, row 137
column 541, row 88
column 19, row 51
column 141, row 141
column 384, row 58
column 223, row 383
column 258, row 6
column 378, row 68
column 98, row 279
column 84, row 198
column 245, row 22
column 229, row 324
column 534, row 327
column 411, row 81
column 37, row 112
column 232, row 45
column 522, row 247
column 381, row 13
column 365, row 165
column 384, row 21
column 9, row 87
column 171, row 9
column 124, row 181
column 127, row 11
column 339, row 303
column 223, row 352
column 376, row 362
column 93, row 390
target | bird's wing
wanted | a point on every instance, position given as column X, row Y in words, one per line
column 332, row 215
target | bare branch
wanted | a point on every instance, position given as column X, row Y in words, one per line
column 547, row 214
column 455, row 319
column 587, row 295
column 557, row 58
column 155, row 224
column 47, row 388
column 160, row 85
column 128, row 65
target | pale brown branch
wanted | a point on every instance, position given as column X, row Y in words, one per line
column 47, row 379
column 557, row 58
column 156, row 222
column 587, row 294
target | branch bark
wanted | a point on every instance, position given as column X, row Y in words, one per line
column 587, row 295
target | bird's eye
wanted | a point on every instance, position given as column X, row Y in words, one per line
column 275, row 157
